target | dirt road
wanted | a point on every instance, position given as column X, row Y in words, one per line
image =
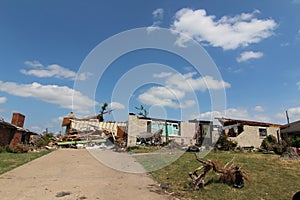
column 73, row 174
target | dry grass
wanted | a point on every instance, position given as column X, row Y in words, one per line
column 270, row 177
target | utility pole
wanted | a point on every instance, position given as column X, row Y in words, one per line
column 287, row 116
column 167, row 134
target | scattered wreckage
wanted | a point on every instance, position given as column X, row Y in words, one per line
column 92, row 131
column 150, row 138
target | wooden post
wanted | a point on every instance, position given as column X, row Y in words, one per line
column 278, row 139
column 167, row 134
column 287, row 116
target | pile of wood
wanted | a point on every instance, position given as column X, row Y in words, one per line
column 229, row 173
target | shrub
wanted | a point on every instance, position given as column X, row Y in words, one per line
column 4, row 149
column 20, row 148
column 269, row 142
column 44, row 141
column 296, row 142
column 224, row 143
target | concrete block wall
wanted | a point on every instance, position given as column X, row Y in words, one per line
column 136, row 126
column 187, row 131
column 250, row 136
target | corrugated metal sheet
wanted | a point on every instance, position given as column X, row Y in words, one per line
column 88, row 125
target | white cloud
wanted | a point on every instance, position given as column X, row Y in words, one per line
column 294, row 112
column 173, row 93
column 249, row 55
column 162, row 75
column 163, row 96
column 158, row 16
column 228, row 32
column 116, row 106
column 34, row 63
column 187, row 82
column 298, row 85
column 259, row 109
column 3, row 99
column 53, row 70
column 234, row 113
column 59, row 95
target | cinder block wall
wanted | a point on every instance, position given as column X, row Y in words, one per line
column 187, row 131
column 136, row 126
column 250, row 136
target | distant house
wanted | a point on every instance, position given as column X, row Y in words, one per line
column 13, row 133
column 248, row 133
column 291, row 130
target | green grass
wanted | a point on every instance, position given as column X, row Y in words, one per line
column 9, row 161
column 270, row 177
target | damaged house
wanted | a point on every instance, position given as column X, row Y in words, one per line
column 144, row 129
column 291, row 130
column 13, row 133
column 248, row 133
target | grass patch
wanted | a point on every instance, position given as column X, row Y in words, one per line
column 10, row 161
column 270, row 177
column 144, row 149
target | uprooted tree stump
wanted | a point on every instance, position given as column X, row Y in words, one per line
column 230, row 173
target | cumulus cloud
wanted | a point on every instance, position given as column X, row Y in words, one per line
column 234, row 113
column 158, row 16
column 163, row 96
column 249, row 55
column 3, row 99
column 33, row 63
column 63, row 96
column 52, row 70
column 298, row 84
column 162, row 75
column 228, row 32
column 294, row 112
column 116, row 106
column 259, row 109
column 173, row 93
column 187, row 82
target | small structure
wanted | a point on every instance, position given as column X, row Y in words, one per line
column 248, row 133
column 291, row 130
column 13, row 133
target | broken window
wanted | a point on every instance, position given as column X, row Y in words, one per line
column 262, row 132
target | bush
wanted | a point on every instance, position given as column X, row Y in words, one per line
column 226, row 144
column 20, row 148
column 4, row 149
column 46, row 138
column 296, row 142
column 269, row 142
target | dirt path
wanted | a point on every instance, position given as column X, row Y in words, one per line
column 73, row 174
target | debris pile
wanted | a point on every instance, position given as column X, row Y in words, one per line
column 230, row 173
column 150, row 138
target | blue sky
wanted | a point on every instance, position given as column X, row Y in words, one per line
column 254, row 44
